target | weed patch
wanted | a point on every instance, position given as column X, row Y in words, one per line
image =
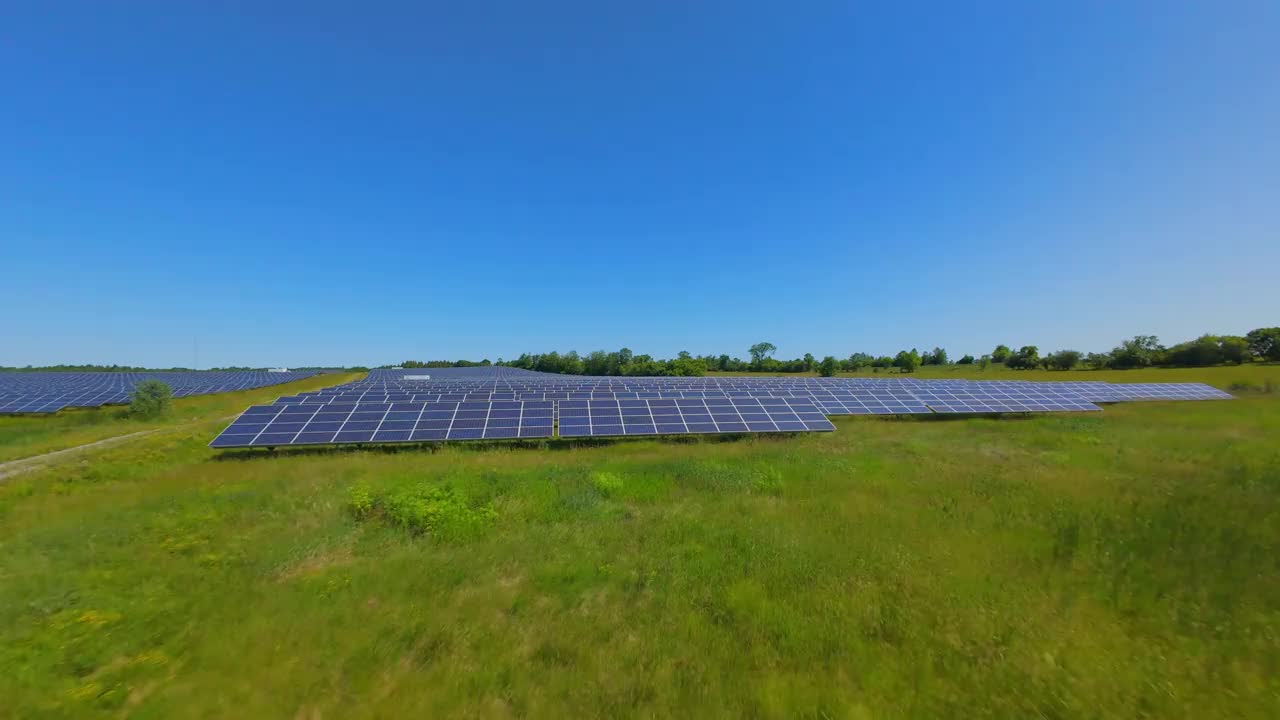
column 422, row 508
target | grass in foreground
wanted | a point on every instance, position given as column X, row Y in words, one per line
column 1124, row 564
column 26, row 435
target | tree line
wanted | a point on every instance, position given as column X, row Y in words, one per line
column 1261, row 345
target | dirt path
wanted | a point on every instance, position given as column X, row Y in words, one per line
column 35, row 462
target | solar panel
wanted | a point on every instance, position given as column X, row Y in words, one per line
column 643, row 416
column 47, row 392
column 491, row 403
column 341, row 423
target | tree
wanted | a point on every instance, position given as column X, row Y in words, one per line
column 907, row 361
column 1209, row 350
column 687, row 366
column 151, row 399
column 828, row 367
column 1064, row 359
column 859, row 360
column 937, row 357
column 966, row 360
column 1098, row 361
column 1235, row 349
column 1264, row 343
column 984, row 362
column 759, row 352
column 1140, row 351
column 1027, row 357
column 1002, row 353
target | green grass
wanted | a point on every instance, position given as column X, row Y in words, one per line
column 26, row 435
column 1117, row 564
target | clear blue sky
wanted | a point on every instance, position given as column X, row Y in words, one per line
column 316, row 183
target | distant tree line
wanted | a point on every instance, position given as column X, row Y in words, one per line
column 93, row 368
column 415, row 364
column 619, row 362
column 1261, row 345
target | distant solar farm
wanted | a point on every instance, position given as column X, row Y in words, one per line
column 493, row 403
column 49, row 392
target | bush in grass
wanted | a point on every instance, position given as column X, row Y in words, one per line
column 421, row 509
column 767, row 481
column 437, row 510
column 360, row 502
column 151, row 399
column 606, row 482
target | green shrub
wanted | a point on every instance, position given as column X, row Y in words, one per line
column 767, row 481
column 606, row 482
column 419, row 508
column 151, row 399
column 360, row 502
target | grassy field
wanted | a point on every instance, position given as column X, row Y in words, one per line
column 23, row 436
column 1115, row 564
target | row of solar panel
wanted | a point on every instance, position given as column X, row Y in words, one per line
column 856, row 397
column 275, row 425
column 48, row 392
column 1104, row 393
column 481, row 407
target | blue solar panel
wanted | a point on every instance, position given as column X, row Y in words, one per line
column 480, row 404
column 644, row 416
column 341, row 423
column 47, row 392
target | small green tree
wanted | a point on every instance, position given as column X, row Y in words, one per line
column 966, row 360
column 1027, row 358
column 1002, row 353
column 828, row 367
column 151, row 399
column 1141, row 351
column 907, row 361
column 984, row 362
column 1064, row 359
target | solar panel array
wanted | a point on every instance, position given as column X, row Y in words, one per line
column 505, row 403
column 316, row 424
column 48, row 392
